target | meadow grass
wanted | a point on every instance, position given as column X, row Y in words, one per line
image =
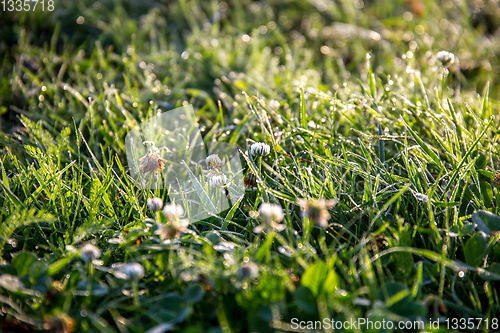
column 355, row 107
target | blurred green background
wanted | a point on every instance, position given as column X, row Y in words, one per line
column 195, row 50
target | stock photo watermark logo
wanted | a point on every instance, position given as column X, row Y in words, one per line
column 167, row 152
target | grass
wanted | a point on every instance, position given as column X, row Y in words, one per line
column 365, row 117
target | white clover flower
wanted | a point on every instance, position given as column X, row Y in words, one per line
column 271, row 212
column 214, row 161
column 274, row 104
column 248, row 270
column 174, row 225
column 446, row 58
column 311, row 90
column 89, row 252
column 259, row 149
column 218, row 180
column 271, row 215
column 172, row 229
column 216, row 177
column 155, row 204
column 317, row 210
column 131, row 271
column 173, row 211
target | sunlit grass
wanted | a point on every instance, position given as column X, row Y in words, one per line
column 355, row 108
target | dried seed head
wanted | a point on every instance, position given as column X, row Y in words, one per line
column 151, row 163
column 250, row 181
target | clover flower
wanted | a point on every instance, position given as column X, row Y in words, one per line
column 248, row 270
column 218, row 180
column 89, row 252
column 259, row 149
column 214, row 161
column 317, row 210
column 446, row 58
column 172, row 229
column 132, row 271
column 274, row 104
column 151, row 162
column 174, row 226
column 271, row 215
column 155, row 204
column 216, row 177
column 173, row 211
